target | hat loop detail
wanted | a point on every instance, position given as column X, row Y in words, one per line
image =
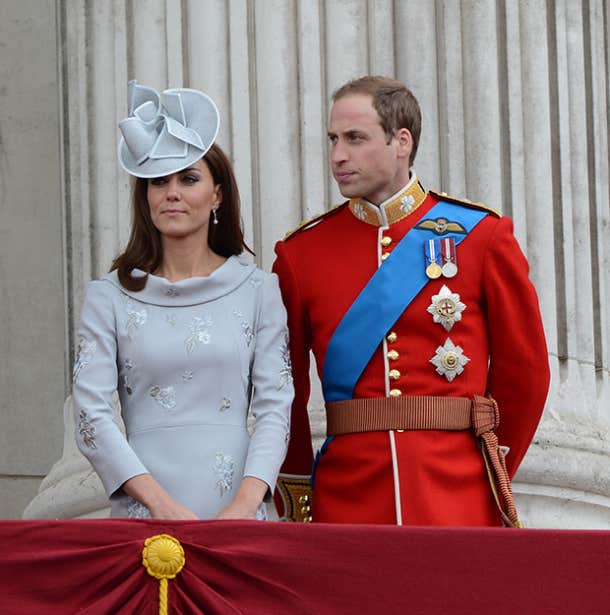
column 166, row 132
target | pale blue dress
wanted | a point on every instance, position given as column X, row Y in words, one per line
column 189, row 360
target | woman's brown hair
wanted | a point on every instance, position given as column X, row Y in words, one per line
column 144, row 250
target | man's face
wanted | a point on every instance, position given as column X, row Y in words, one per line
column 364, row 164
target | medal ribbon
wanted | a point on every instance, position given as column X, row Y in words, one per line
column 448, row 250
column 385, row 297
column 430, row 248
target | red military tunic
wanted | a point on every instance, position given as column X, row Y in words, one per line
column 413, row 477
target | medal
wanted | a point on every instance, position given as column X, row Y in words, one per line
column 446, row 308
column 449, row 360
column 433, row 269
column 449, row 268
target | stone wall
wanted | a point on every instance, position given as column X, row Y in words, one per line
column 33, row 342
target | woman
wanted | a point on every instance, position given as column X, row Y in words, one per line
column 190, row 335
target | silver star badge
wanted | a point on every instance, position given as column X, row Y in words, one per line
column 446, row 308
column 449, row 360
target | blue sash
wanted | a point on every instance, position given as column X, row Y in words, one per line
column 385, row 297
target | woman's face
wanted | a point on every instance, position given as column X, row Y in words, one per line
column 181, row 203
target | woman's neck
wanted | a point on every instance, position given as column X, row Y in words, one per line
column 184, row 259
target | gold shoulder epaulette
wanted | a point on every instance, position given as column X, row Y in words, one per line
column 443, row 196
column 312, row 221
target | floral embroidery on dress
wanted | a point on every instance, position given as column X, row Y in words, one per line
column 137, row 510
column 164, row 396
column 135, row 319
column 84, row 354
column 187, row 375
column 255, row 282
column 124, row 382
column 170, row 319
column 225, row 404
column 245, row 327
column 86, row 429
column 124, row 377
column 224, row 467
column 200, row 333
column 286, row 370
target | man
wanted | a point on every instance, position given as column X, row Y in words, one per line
column 426, row 333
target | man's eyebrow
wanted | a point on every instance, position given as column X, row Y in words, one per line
column 348, row 132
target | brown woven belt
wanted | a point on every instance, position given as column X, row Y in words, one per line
column 429, row 412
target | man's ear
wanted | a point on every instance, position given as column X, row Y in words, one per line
column 405, row 142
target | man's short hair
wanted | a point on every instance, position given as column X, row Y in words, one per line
column 395, row 104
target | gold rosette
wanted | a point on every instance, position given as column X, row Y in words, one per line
column 163, row 558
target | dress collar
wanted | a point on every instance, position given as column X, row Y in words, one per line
column 192, row 291
column 397, row 207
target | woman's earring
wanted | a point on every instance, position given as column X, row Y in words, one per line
column 214, row 217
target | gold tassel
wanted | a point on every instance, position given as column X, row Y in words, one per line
column 163, row 558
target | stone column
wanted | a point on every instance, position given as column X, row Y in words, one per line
column 564, row 481
column 32, row 321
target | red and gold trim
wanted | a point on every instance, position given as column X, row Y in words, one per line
column 401, row 206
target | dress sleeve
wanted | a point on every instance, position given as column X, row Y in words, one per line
column 518, row 366
column 272, row 387
column 95, row 378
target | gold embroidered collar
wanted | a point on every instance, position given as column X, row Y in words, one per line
column 401, row 206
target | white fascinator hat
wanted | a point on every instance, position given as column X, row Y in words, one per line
column 166, row 132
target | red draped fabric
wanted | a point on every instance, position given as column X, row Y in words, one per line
column 233, row 567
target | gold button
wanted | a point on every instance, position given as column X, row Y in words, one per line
column 392, row 337
column 307, row 519
column 393, row 355
column 386, row 241
column 394, row 374
column 304, row 499
column 305, row 509
column 399, row 430
column 443, row 193
column 395, row 393
column 384, row 256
